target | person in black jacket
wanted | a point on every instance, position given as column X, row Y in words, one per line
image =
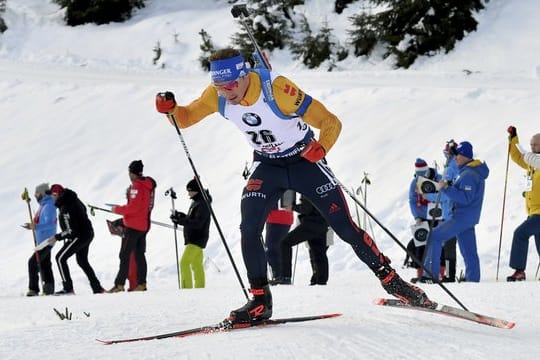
column 196, row 225
column 77, row 233
column 313, row 229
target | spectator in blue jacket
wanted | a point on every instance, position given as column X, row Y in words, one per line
column 44, row 226
column 467, row 196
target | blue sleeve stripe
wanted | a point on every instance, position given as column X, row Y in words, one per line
column 305, row 104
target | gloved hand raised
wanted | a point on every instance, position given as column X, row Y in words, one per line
column 179, row 218
column 165, row 102
column 313, row 152
column 512, row 132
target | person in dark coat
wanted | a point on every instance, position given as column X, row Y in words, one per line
column 136, row 219
column 77, row 233
column 196, row 225
column 313, row 229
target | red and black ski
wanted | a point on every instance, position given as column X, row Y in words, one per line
column 221, row 327
column 449, row 311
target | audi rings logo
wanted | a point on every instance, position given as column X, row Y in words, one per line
column 325, row 188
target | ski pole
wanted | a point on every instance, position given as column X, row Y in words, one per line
column 240, row 11
column 412, row 256
column 537, row 268
column 366, row 182
column 93, row 213
column 207, row 201
column 170, row 192
column 367, row 222
column 502, row 213
column 26, row 197
column 294, row 267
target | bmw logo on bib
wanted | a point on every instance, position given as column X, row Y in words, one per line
column 251, row 119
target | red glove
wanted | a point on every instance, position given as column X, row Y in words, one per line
column 165, row 102
column 512, row 132
column 313, row 152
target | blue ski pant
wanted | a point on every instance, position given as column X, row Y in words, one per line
column 520, row 242
column 269, row 179
column 466, row 239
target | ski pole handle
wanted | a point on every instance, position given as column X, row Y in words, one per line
column 239, row 10
column 25, row 196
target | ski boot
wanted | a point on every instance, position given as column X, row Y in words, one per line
column 257, row 309
column 518, row 275
column 396, row 286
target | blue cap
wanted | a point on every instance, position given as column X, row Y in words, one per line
column 465, row 149
column 227, row 70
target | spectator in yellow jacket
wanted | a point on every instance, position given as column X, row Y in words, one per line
column 531, row 192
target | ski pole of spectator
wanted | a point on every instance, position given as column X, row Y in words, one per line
column 294, row 267
column 366, row 182
column 170, row 192
column 502, row 213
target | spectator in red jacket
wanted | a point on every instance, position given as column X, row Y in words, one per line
column 136, row 218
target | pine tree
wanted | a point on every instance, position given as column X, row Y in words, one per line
column 408, row 29
column 207, row 48
column 98, row 11
column 3, row 26
column 314, row 50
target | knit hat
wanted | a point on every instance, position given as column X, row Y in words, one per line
column 136, row 167
column 421, row 167
column 42, row 188
column 57, row 189
column 465, row 149
column 192, row 185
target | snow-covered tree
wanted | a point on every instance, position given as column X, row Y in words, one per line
column 98, row 11
column 270, row 22
column 313, row 50
column 3, row 26
column 410, row 28
column 207, row 48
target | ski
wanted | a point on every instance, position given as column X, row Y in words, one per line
column 449, row 311
column 223, row 326
column 93, row 209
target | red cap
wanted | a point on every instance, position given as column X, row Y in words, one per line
column 57, row 189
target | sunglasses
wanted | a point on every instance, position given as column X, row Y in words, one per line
column 228, row 86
